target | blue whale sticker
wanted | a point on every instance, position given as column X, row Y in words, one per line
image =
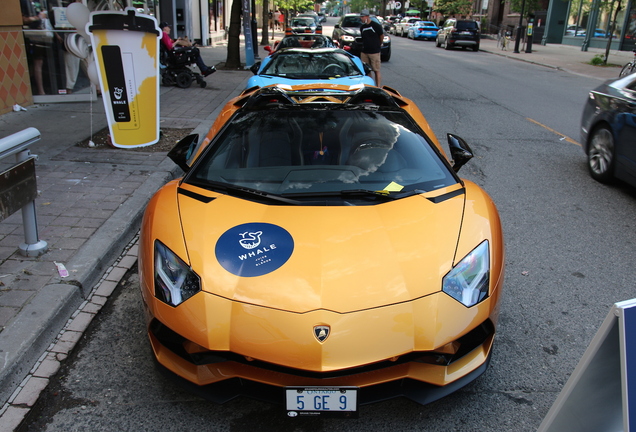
column 254, row 249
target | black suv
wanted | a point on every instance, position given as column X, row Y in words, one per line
column 456, row 32
column 347, row 33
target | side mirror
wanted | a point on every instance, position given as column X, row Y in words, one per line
column 346, row 48
column 336, row 26
column 255, row 67
column 183, row 151
column 268, row 48
column 460, row 151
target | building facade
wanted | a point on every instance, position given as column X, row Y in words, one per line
column 39, row 46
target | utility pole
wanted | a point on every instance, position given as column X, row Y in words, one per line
column 519, row 29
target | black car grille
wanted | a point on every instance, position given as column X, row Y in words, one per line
column 175, row 343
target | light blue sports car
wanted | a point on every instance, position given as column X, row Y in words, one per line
column 423, row 30
column 295, row 66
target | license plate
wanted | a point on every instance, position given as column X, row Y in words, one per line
column 322, row 401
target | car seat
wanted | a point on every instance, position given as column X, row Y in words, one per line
column 175, row 67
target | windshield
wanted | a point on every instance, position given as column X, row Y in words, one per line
column 299, row 152
column 311, row 65
column 305, row 41
column 302, row 22
column 353, row 21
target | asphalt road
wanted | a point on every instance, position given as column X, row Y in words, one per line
column 569, row 242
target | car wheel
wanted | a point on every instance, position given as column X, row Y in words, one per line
column 447, row 45
column 601, row 155
column 437, row 43
column 476, row 48
column 387, row 56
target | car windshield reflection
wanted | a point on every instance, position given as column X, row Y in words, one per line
column 315, row 65
column 309, row 152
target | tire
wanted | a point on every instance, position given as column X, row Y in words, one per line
column 203, row 84
column 476, row 48
column 601, row 155
column 437, row 43
column 628, row 69
column 447, row 46
column 386, row 57
column 184, row 80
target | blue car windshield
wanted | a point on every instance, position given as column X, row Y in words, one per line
column 308, row 152
column 297, row 64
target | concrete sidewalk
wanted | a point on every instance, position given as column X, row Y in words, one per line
column 564, row 57
column 89, row 211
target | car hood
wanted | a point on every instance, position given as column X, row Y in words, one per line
column 352, row 31
column 304, row 258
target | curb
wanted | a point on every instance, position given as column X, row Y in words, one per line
column 34, row 327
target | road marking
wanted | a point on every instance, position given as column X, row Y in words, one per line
column 564, row 137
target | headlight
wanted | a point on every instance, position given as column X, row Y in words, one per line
column 386, row 39
column 348, row 38
column 469, row 280
column 175, row 282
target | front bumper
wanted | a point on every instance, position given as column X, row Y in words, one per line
column 423, row 376
column 417, row 391
column 355, row 47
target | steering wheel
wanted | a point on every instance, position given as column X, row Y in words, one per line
column 334, row 69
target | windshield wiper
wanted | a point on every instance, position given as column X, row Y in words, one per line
column 245, row 192
column 348, row 193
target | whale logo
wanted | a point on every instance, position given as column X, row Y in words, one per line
column 250, row 240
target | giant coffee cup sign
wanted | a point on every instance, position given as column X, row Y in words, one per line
column 126, row 49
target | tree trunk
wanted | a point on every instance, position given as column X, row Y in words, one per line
column 612, row 28
column 265, row 29
column 233, row 60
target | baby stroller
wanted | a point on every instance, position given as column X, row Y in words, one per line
column 175, row 68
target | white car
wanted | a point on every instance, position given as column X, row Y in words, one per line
column 402, row 27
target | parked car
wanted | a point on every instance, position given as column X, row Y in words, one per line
column 426, row 30
column 458, row 32
column 347, row 33
column 321, row 247
column 573, row 30
column 608, row 131
column 303, row 24
column 293, row 66
column 402, row 26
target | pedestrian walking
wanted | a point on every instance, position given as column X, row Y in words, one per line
column 372, row 38
column 277, row 19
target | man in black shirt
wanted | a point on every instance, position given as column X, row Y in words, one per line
column 372, row 38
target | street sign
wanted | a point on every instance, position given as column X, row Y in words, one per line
column 601, row 393
column 398, row 5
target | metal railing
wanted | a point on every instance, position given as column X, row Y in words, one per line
column 19, row 188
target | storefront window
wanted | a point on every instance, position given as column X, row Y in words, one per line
column 606, row 13
column 630, row 30
column 52, row 49
column 56, row 54
column 577, row 18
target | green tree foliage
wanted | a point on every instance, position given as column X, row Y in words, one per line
column 454, row 7
column 530, row 6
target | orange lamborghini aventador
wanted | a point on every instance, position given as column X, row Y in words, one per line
column 321, row 252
